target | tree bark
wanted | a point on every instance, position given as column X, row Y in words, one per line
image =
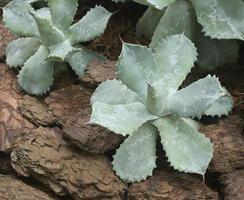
column 14, row 189
column 228, row 142
column 165, row 185
column 81, row 175
column 233, row 185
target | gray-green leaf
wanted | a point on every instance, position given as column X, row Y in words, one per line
column 159, row 4
column 80, row 58
column 90, row 26
column 135, row 159
column 122, row 119
column 187, row 149
column 63, row 12
column 36, row 76
column 179, row 18
column 17, row 18
column 115, row 89
column 60, row 51
column 49, row 34
column 197, row 98
column 221, row 19
column 149, row 21
column 18, row 51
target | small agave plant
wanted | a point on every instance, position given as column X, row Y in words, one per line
column 49, row 39
column 146, row 102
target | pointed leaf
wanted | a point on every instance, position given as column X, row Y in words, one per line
column 18, row 51
column 197, row 98
column 221, row 107
column 50, row 35
column 17, row 18
column 221, row 19
column 63, row 12
column 159, row 4
column 136, row 67
column 214, row 53
column 135, row 159
column 178, row 18
column 36, row 76
column 60, row 51
column 122, row 119
column 90, row 26
column 149, row 21
column 79, row 60
column 175, row 56
column 115, row 89
column 187, row 149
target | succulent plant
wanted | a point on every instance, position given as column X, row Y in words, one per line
column 48, row 39
column 217, row 23
column 146, row 102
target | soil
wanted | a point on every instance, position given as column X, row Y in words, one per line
column 49, row 150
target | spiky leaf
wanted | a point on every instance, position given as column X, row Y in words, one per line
column 149, row 21
column 60, row 51
column 36, row 76
column 18, row 51
column 122, row 119
column 197, row 98
column 187, row 149
column 17, row 18
column 79, row 59
column 63, row 12
column 179, row 18
column 90, row 26
column 49, row 34
column 159, row 4
column 221, row 19
column 175, row 56
column 116, row 89
column 136, row 67
column 135, row 159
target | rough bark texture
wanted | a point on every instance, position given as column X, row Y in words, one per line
column 5, row 38
column 165, row 185
column 228, row 144
column 66, row 101
column 36, row 112
column 97, row 72
column 14, row 189
column 12, row 123
column 91, row 138
column 72, row 106
column 233, row 185
column 43, row 156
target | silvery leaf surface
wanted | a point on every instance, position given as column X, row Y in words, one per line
column 36, row 76
column 17, row 18
column 63, row 12
column 92, row 25
column 221, row 19
column 187, row 149
column 18, row 51
column 197, row 98
column 179, row 18
column 149, row 21
column 136, row 157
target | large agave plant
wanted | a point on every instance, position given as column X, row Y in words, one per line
column 146, row 102
column 49, row 39
column 213, row 25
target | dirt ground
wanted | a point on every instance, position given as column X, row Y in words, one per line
column 49, row 151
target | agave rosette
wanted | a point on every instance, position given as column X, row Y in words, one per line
column 146, row 102
column 48, row 39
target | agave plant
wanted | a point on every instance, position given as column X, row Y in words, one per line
column 146, row 102
column 213, row 25
column 49, row 39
